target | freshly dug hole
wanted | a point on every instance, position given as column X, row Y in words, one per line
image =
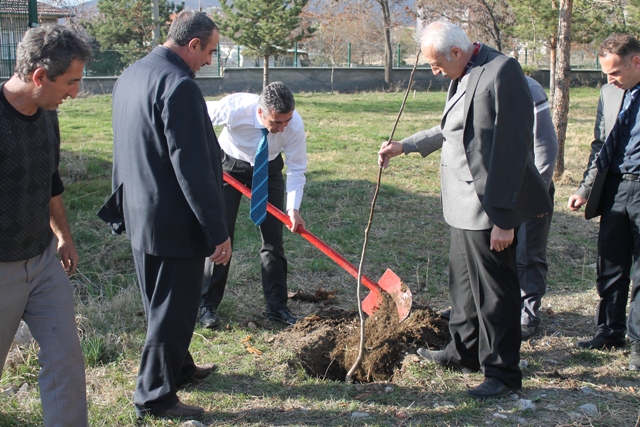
column 326, row 344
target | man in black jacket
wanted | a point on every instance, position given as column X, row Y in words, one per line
column 168, row 176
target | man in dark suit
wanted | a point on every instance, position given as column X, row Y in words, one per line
column 490, row 185
column 167, row 176
column 611, row 188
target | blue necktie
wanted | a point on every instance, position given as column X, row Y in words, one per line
column 260, row 185
column 609, row 147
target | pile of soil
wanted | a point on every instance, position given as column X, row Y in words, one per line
column 326, row 344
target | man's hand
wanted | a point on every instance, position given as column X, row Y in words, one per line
column 500, row 239
column 68, row 255
column 576, row 202
column 296, row 219
column 387, row 151
column 60, row 227
column 222, row 254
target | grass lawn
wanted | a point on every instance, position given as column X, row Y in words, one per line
column 408, row 235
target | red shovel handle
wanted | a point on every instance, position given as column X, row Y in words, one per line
column 323, row 247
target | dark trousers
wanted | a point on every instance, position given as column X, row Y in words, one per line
column 618, row 253
column 485, row 306
column 170, row 295
column 531, row 255
column 274, row 264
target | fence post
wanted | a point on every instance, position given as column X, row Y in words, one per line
column 218, row 58
column 349, row 54
column 295, row 55
column 33, row 14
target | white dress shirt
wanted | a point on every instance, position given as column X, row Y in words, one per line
column 242, row 132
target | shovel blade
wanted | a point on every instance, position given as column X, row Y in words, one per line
column 397, row 289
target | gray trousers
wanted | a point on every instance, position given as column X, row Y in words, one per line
column 531, row 255
column 38, row 291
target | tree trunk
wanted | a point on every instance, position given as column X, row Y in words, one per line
column 553, row 53
column 265, row 72
column 563, row 72
column 388, row 52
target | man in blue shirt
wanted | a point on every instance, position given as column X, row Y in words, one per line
column 611, row 188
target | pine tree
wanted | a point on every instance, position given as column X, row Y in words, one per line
column 266, row 27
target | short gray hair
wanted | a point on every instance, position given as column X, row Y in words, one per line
column 277, row 98
column 52, row 47
column 189, row 25
column 444, row 36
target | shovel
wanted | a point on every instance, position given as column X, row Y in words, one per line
column 389, row 283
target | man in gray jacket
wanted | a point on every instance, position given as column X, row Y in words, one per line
column 533, row 235
column 489, row 187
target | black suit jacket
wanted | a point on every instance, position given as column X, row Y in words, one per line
column 591, row 186
column 166, row 160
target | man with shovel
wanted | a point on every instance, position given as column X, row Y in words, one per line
column 257, row 131
column 490, row 185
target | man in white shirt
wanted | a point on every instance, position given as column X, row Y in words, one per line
column 244, row 117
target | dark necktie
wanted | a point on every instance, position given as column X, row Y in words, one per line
column 260, row 185
column 605, row 155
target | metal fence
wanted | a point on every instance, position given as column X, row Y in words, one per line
column 14, row 21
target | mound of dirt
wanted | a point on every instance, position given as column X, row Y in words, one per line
column 326, row 344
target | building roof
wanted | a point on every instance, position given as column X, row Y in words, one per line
column 22, row 7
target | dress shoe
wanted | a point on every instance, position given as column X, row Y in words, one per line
column 209, row 317
column 528, row 331
column 491, row 388
column 203, row 371
column 181, row 410
column 634, row 360
column 599, row 342
column 438, row 357
column 445, row 314
column 282, row 315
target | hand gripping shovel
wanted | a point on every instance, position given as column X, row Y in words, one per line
column 389, row 282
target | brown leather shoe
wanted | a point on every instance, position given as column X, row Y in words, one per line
column 181, row 410
column 203, row 371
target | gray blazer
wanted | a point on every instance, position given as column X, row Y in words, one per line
column 591, row 186
column 167, row 172
column 498, row 140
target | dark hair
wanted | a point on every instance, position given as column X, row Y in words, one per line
column 622, row 45
column 189, row 25
column 51, row 47
column 276, row 97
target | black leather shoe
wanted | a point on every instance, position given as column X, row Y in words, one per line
column 209, row 317
column 438, row 357
column 634, row 360
column 181, row 410
column 528, row 331
column 282, row 315
column 491, row 388
column 445, row 314
column 203, row 371
column 599, row 342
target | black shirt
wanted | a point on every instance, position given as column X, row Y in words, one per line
column 29, row 158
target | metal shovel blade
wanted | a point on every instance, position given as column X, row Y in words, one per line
column 397, row 290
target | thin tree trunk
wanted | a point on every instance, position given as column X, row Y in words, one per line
column 388, row 52
column 265, row 72
column 553, row 53
column 563, row 73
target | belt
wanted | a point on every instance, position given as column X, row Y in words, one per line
column 630, row 177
